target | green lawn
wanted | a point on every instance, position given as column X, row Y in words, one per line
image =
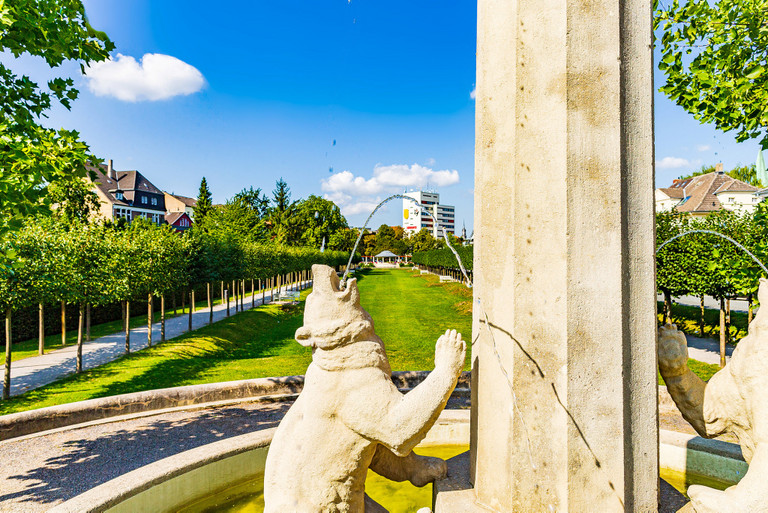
column 27, row 348
column 688, row 317
column 409, row 312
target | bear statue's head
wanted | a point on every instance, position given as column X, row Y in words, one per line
column 333, row 316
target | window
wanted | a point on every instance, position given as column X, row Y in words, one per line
column 144, row 199
column 154, row 201
column 731, row 200
column 119, row 195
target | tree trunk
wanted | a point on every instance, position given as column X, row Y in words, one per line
column 8, row 349
column 701, row 318
column 149, row 320
column 80, row 326
column 749, row 309
column 722, row 332
column 210, row 303
column 222, row 292
column 226, row 293
column 191, row 308
column 242, row 299
column 183, row 301
column 40, row 329
column 63, row 323
column 263, row 290
column 174, row 303
column 728, row 320
column 127, row 326
column 667, row 307
column 253, row 293
column 88, row 322
column 162, row 318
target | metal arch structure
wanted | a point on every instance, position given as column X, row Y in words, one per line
column 710, row 232
column 423, row 210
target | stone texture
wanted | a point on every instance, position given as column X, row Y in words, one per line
column 350, row 416
column 733, row 401
column 564, row 372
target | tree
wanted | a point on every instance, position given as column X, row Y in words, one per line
column 320, row 219
column 385, row 239
column 34, row 157
column 236, row 219
column 423, row 241
column 253, row 199
column 344, row 240
column 204, row 201
column 747, row 174
column 281, row 195
column 714, row 58
column 281, row 213
column 74, row 200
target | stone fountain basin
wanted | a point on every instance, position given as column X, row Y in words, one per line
column 170, row 483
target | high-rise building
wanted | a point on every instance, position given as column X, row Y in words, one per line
column 414, row 218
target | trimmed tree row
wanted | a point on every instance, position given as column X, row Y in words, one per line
column 84, row 266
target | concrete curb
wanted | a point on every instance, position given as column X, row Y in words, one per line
column 182, row 478
column 117, row 494
column 167, row 484
column 16, row 425
column 712, row 458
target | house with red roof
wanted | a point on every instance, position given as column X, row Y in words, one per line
column 703, row 194
column 179, row 220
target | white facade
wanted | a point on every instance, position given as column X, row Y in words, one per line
column 665, row 203
column 414, row 218
column 739, row 201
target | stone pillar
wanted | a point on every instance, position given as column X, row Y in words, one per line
column 564, row 413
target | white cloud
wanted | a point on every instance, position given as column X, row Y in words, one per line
column 402, row 175
column 672, row 163
column 357, row 194
column 430, row 161
column 703, row 147
column 473, row 93
column 154, row 77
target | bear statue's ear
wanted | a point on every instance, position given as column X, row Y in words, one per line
column 304, row 336
column 350, row 292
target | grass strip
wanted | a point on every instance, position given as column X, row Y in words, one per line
column 28, row 348
column 688, row 318
column 409, row 314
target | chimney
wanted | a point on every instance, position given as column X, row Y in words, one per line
column 719, row 168
column 110, row 171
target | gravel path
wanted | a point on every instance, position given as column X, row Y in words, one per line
column 39, row 472
column 36, row 371
column 707, row 350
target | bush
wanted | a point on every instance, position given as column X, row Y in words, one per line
column 445, row 258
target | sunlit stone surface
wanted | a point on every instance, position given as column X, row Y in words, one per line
column 350, row 416
column 564, row 414
column 733, row 401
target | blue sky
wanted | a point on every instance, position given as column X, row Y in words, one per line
column 353, row 99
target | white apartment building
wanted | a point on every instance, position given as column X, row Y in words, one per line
column 414, row 218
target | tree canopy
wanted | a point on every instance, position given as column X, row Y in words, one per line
column 34, row 157
column 713, row 54
column 747, row 174
column 204, row 201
